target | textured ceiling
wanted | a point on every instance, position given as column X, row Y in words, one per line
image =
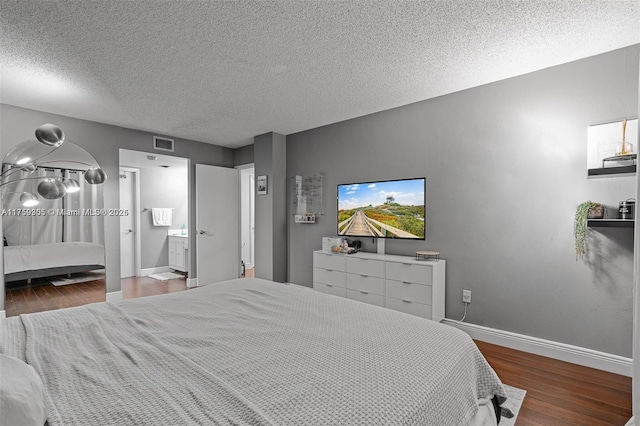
column 223, row 72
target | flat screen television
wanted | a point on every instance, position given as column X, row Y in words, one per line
column 383, row 209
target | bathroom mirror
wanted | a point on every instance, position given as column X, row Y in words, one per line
column 53, row 224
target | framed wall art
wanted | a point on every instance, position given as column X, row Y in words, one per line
column 261, row 185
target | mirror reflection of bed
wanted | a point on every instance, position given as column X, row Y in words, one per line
column 54, row 227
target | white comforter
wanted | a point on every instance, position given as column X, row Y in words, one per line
column 252, row 352
column 55, row 255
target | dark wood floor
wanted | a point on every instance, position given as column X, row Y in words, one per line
column 144, row 286
column 41, row 295
column 558, row 393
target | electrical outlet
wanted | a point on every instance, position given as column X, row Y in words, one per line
column 466, row 296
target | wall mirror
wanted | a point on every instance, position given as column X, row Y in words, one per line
column 53, row 224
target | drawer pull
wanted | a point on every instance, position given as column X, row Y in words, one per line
column 364, row 292
column 406, row 301
column 364, row 276
column 406, row 282
column 329, row 270
column 408, row 264
column 328, row 285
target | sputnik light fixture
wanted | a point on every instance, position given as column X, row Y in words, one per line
column 20, row 168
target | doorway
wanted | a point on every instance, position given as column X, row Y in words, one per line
column 247, row 218
column 154, row 189
column 130, row 223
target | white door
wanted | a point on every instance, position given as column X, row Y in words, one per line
column 252, row 239
column 247, row 194
column 127, row 225
column 217, row 223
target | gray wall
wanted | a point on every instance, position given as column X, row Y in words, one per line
column 161, row 188
column 271, row 208
column 505, row 165
column 103, row 141
column 243, row 155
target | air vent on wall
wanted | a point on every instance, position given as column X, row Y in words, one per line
column 163, row 144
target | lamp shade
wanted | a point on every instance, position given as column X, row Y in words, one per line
column 28, row 199
column 50, row 134
column 95, row 175
column 71, row 185
column 51, row 189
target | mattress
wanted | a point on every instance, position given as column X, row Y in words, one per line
column 251, row 351
column 55, row 255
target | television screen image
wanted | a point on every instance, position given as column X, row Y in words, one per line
column 384, row 209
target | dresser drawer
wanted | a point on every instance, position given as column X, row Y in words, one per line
column 330, row 276
column 336, row 262
column 373, row 285
column 371, row 267
column 397, row 271
column 412, row 308
column 372, row 299
column 330, row 289
column 409, row 291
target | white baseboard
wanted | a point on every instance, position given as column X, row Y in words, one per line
column 561, row 351
column 114, row 296
column 159, row 270
column 3, row 314
column 631, row 422
column 192, row 282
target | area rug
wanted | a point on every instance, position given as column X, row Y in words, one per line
column 77, row 278
column 515, row 397
column 165, row 276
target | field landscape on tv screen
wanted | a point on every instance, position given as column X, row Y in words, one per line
column 386, row 209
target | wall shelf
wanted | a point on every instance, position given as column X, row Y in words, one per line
column 611, row 170
column 610, row 223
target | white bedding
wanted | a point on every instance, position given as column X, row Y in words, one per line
column 56, row 255
column 292, row 355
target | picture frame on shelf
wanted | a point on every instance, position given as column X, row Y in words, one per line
column 611, row 148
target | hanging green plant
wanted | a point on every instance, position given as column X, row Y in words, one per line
column 586, row 210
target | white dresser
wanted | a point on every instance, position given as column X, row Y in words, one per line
column 401, row 283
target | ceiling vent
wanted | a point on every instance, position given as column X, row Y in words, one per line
column 162, row 144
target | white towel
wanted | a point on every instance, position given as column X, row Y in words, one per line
column 161, row 217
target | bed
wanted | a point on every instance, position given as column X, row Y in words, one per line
column 255, row 352
column 24, row 262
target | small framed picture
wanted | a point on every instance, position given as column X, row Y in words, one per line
column 262, row 185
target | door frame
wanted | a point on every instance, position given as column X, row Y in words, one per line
column 252, row 213
column 136, row 222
